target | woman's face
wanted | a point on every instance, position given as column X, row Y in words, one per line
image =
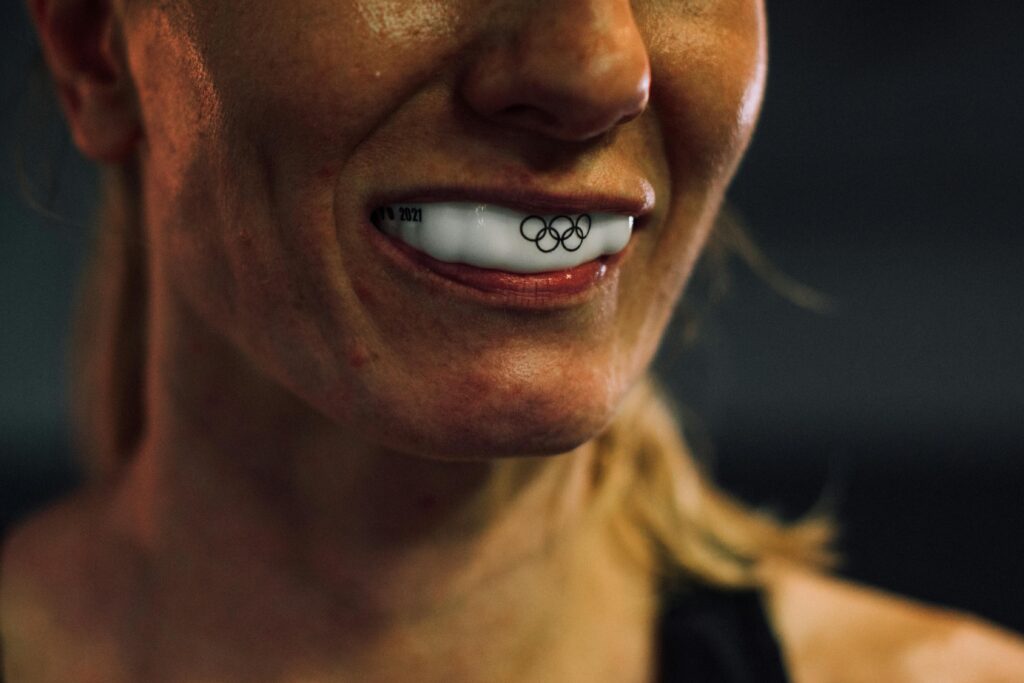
column 273, row 130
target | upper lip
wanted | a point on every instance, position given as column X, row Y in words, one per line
column 528, row 200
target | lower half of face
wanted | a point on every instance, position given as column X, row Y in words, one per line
column 434, row 280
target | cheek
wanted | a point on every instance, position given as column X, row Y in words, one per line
column 303, row 80
column 318, row 76
column 711, row 72
column 708, row 76
column 247, row 115
column 179, row 105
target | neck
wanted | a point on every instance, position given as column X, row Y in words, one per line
column 238, row 478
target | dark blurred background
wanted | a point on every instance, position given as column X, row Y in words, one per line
column 887, row 173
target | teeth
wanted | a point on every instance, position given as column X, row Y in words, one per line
column 489, row 236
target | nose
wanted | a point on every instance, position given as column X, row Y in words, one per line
column 568, row 69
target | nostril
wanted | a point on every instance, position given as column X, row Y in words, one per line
column 566, row 84
column 574, row 107
column 568, row 120
column 635, row 113
column 525, row 114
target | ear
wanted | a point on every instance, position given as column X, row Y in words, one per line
column 81, row 41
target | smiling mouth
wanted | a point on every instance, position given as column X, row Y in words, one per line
column 497, row 238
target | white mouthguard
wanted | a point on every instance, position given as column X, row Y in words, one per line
column 488, row 236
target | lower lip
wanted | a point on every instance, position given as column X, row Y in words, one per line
column 554, row 289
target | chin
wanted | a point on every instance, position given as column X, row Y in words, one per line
column 503, row 421
column 520, row 434
column 506, row 436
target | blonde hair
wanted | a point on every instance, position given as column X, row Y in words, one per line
column 662, row 506
column 669, row 515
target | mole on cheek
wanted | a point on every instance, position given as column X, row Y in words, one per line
column 365, row 295
column 359, row 355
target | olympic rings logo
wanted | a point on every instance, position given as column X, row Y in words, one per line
column 562, row 231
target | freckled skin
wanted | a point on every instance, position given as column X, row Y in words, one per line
column 322, row 490
column 262, row 530
column 298, row 112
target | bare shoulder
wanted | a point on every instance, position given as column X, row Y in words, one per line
column 836, row 631
column 57, row 580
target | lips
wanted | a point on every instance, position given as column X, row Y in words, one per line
column 497, row 238
column 508, row 248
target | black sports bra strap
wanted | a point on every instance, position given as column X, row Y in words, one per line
column 709, row 635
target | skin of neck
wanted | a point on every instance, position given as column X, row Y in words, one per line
column 382, row 559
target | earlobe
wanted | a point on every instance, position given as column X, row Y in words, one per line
column 81, row 42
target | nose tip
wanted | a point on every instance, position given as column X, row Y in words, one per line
column 570, row 70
